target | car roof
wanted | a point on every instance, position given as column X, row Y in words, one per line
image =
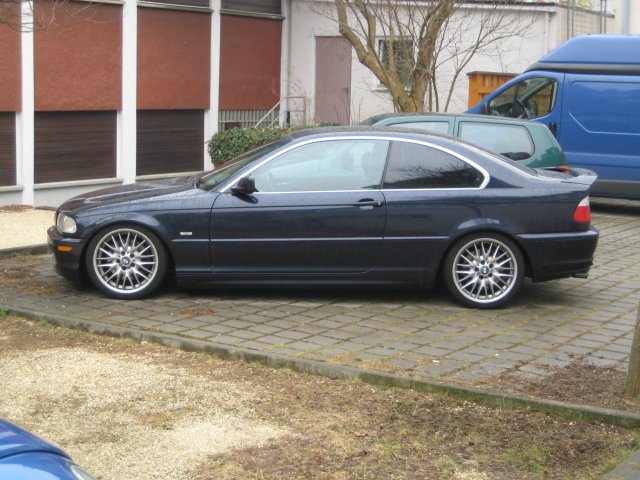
column 395, row 132
column 15, row 440
column 435, row 115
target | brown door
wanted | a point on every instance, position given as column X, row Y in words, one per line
column 333, row 80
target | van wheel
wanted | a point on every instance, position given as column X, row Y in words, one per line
column 483, row 270
column 126, row 261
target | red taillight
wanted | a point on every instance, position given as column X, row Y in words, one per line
column 583, row 211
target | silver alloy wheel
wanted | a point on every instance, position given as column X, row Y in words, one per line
column 485, row 270
column 125, row 261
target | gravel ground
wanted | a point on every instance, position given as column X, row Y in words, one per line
column 163, row 419
column 24, row 227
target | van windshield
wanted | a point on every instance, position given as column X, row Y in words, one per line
column 530, row 98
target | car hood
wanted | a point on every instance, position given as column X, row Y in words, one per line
column 130, row 194
column 15, row 440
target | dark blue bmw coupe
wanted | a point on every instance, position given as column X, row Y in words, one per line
column 345, row 206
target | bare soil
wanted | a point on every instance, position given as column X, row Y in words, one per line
column 127, row 411
column 579, row 383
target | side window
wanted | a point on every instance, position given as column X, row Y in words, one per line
column 437, row 127
column 331, row 165
column 530, row 98
column 413, row 166
column 512, row 141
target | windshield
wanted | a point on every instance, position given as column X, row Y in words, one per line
column 225, row 171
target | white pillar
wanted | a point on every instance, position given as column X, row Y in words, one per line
column 127, row 118
column 25, row 136
column 211, row 115
column 285, row 59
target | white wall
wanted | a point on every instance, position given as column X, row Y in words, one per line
column 369, row 98
column 634, row 16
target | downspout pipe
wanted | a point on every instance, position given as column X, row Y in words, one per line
column 625, row 16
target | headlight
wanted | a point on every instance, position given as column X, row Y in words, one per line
column 66, row 224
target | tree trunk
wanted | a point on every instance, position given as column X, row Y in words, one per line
column 632, row 384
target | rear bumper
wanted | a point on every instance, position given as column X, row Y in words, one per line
column 69, row 263
column 559, row 255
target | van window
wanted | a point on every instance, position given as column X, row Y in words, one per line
column 530, row 98
column 512, row 141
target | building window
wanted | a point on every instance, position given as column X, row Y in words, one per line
column 7, row 149
column 255, row 7
column 170, row 141
column 177, row 4
column 400, row 53
column 74, row 146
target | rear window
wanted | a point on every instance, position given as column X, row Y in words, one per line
column 512, row 141
column 436, row 127
column 416, row 166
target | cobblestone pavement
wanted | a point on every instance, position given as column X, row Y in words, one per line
column 421, row 334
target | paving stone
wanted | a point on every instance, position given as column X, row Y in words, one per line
column 252, row 345
column 245, row 334
column 196, row 333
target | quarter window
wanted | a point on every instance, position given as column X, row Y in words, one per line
column 512, row 141
column 325, row 166
column 414, row 166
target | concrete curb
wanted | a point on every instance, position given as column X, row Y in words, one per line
column 627, row 470
column 30, row 250
column 574, row 411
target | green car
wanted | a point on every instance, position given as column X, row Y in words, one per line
column 529, row 143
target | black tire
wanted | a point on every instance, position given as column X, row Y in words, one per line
column 126, row 261
column 483, row 270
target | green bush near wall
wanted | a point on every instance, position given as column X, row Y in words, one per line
column 229, row 144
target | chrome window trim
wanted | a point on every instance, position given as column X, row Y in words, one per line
column 482, row 170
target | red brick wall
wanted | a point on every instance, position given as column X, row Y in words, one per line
column 10, row 64
column 78, row 61
column 249, row 63
column 174, row 58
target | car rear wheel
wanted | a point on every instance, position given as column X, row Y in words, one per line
column 126, row 261
column 483, row 271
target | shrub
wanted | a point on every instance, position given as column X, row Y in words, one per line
column 226, row 145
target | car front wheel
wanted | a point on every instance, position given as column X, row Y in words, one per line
column 126, row 261
column 483, row 271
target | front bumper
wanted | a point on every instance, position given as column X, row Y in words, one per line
column 559, row 255
column 68, row 253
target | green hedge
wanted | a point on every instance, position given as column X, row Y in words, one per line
column 226, row 145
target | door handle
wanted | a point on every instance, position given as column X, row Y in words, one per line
column 553, row 126
column 368, row 202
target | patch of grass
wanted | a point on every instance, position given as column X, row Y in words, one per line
column 619, row 455
column 43, row 323
column 3, row 312
column 531, row 457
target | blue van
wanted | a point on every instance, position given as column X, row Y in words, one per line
column 587, row 91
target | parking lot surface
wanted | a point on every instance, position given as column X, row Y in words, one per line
column 421, row 334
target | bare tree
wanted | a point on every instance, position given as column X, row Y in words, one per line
column 407, row 44
column 25, row 15
column 632, row 383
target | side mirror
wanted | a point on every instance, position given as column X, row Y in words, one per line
column 245, row 186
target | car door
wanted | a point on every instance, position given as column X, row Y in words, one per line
column 318, row 208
